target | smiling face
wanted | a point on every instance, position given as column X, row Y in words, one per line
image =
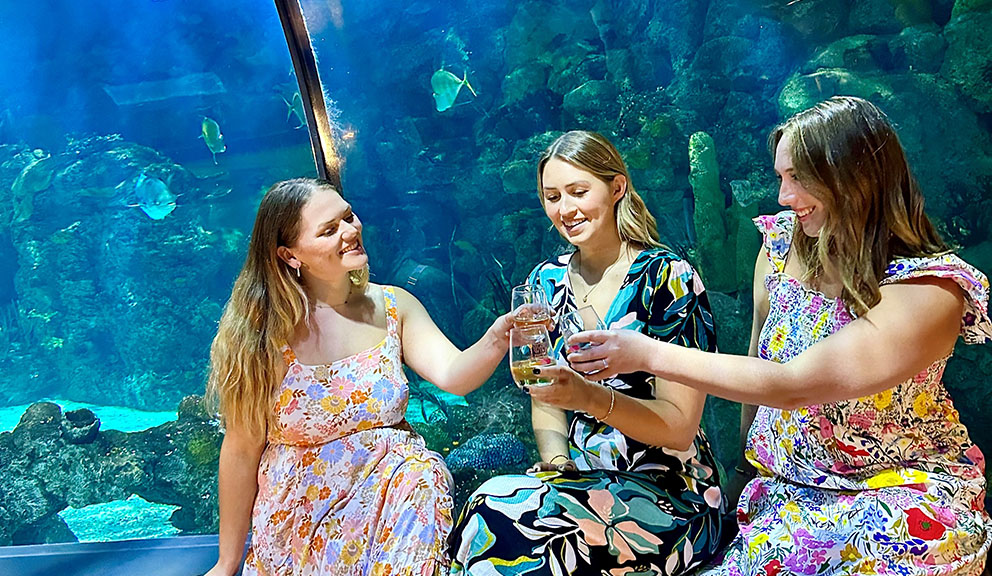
column 794, row 194
column 579, row 204
column 330, row 241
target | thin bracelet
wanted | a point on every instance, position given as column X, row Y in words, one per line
column 613, row 400
column 552, row 461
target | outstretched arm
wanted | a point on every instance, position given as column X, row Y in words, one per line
column 915, row 324
column 431, row 355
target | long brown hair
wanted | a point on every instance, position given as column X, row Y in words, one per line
column 267, row 303
column 595, row 154
column 847, row 154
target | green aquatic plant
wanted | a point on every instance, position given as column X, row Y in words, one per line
column 203, row 449
column 725, row 240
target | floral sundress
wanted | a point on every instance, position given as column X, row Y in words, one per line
column 340, row 491
column 885, row 484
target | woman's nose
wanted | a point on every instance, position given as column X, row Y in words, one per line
column 785, row 195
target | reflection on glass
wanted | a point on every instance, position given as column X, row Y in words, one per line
column 530, row 348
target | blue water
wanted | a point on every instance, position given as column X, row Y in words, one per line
column 101, row 303
column 127, row 519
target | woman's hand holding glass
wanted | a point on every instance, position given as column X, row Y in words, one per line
column 576, row 321
column 566, row 388
column 530, row 350
column 607, row 353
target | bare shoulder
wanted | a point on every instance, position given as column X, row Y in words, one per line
column 937, row 296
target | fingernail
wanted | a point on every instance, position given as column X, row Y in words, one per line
column 573, row 348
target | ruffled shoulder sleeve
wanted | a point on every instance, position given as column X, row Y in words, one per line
column 976, row 328
column 776, row 236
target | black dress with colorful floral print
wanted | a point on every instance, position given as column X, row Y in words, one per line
column 630, row 508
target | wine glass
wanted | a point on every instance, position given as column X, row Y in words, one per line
column 530, row 347
column 576, row 321
column 530, row 306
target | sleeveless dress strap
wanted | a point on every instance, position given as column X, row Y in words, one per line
column 976, row 328
column 776, row 236
column 392, row 314
column 287, row 355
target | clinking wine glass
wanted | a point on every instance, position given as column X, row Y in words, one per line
column 530, row 306
column 576, row 321
column 530, row 348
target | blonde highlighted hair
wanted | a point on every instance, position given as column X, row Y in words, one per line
column 847, row 154
column 595, row 154
column 267, row 304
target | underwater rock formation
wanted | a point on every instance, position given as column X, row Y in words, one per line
column 726, row 242
column 489, row 452
column 52, row 460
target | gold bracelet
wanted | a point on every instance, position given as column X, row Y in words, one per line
column 613, row 400
column 552, row 461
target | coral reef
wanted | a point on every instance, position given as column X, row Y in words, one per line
column 53, row 460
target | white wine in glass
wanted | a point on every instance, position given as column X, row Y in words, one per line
column 530, row 348
column 530, row 306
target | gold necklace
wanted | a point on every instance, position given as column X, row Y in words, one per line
column 620, row 256
column 322, row 305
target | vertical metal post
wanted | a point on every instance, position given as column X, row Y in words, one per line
column 305, row 64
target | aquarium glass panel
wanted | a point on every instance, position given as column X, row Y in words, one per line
column 136, row 138
column 444, row 108
column 135, row 141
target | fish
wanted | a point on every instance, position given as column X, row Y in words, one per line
column 154, row 197
column 210, row 132
column 446, row 87
column 294, row 107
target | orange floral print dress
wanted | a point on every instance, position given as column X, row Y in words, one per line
column 340, row 491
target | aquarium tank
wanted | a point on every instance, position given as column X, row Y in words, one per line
column 137, row 137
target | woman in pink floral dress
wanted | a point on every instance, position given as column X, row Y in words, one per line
column 863, row 466
column 307, row 364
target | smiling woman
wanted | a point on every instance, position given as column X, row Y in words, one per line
column 627, row 482
column 308, row 368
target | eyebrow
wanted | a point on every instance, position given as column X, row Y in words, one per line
column 571, row 185
column 334, row 220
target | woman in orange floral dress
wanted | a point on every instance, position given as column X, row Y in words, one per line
column 307, row 365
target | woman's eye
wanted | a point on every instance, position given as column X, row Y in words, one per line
column 350, row 218
column 330, row 231
column 551, row 199
column 579, row 192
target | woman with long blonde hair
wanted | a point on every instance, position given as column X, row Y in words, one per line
column 627, row 482
column 863, row 466
column 317, row 459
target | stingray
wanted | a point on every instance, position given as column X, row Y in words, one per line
column 446, row 87
column 154, row 197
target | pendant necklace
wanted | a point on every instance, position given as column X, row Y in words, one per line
column 591, row 289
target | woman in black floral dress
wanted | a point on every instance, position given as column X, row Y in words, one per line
column 629, row 484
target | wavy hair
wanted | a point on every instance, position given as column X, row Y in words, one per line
column 847, row 154
column 595, row 154
column 267, row 304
